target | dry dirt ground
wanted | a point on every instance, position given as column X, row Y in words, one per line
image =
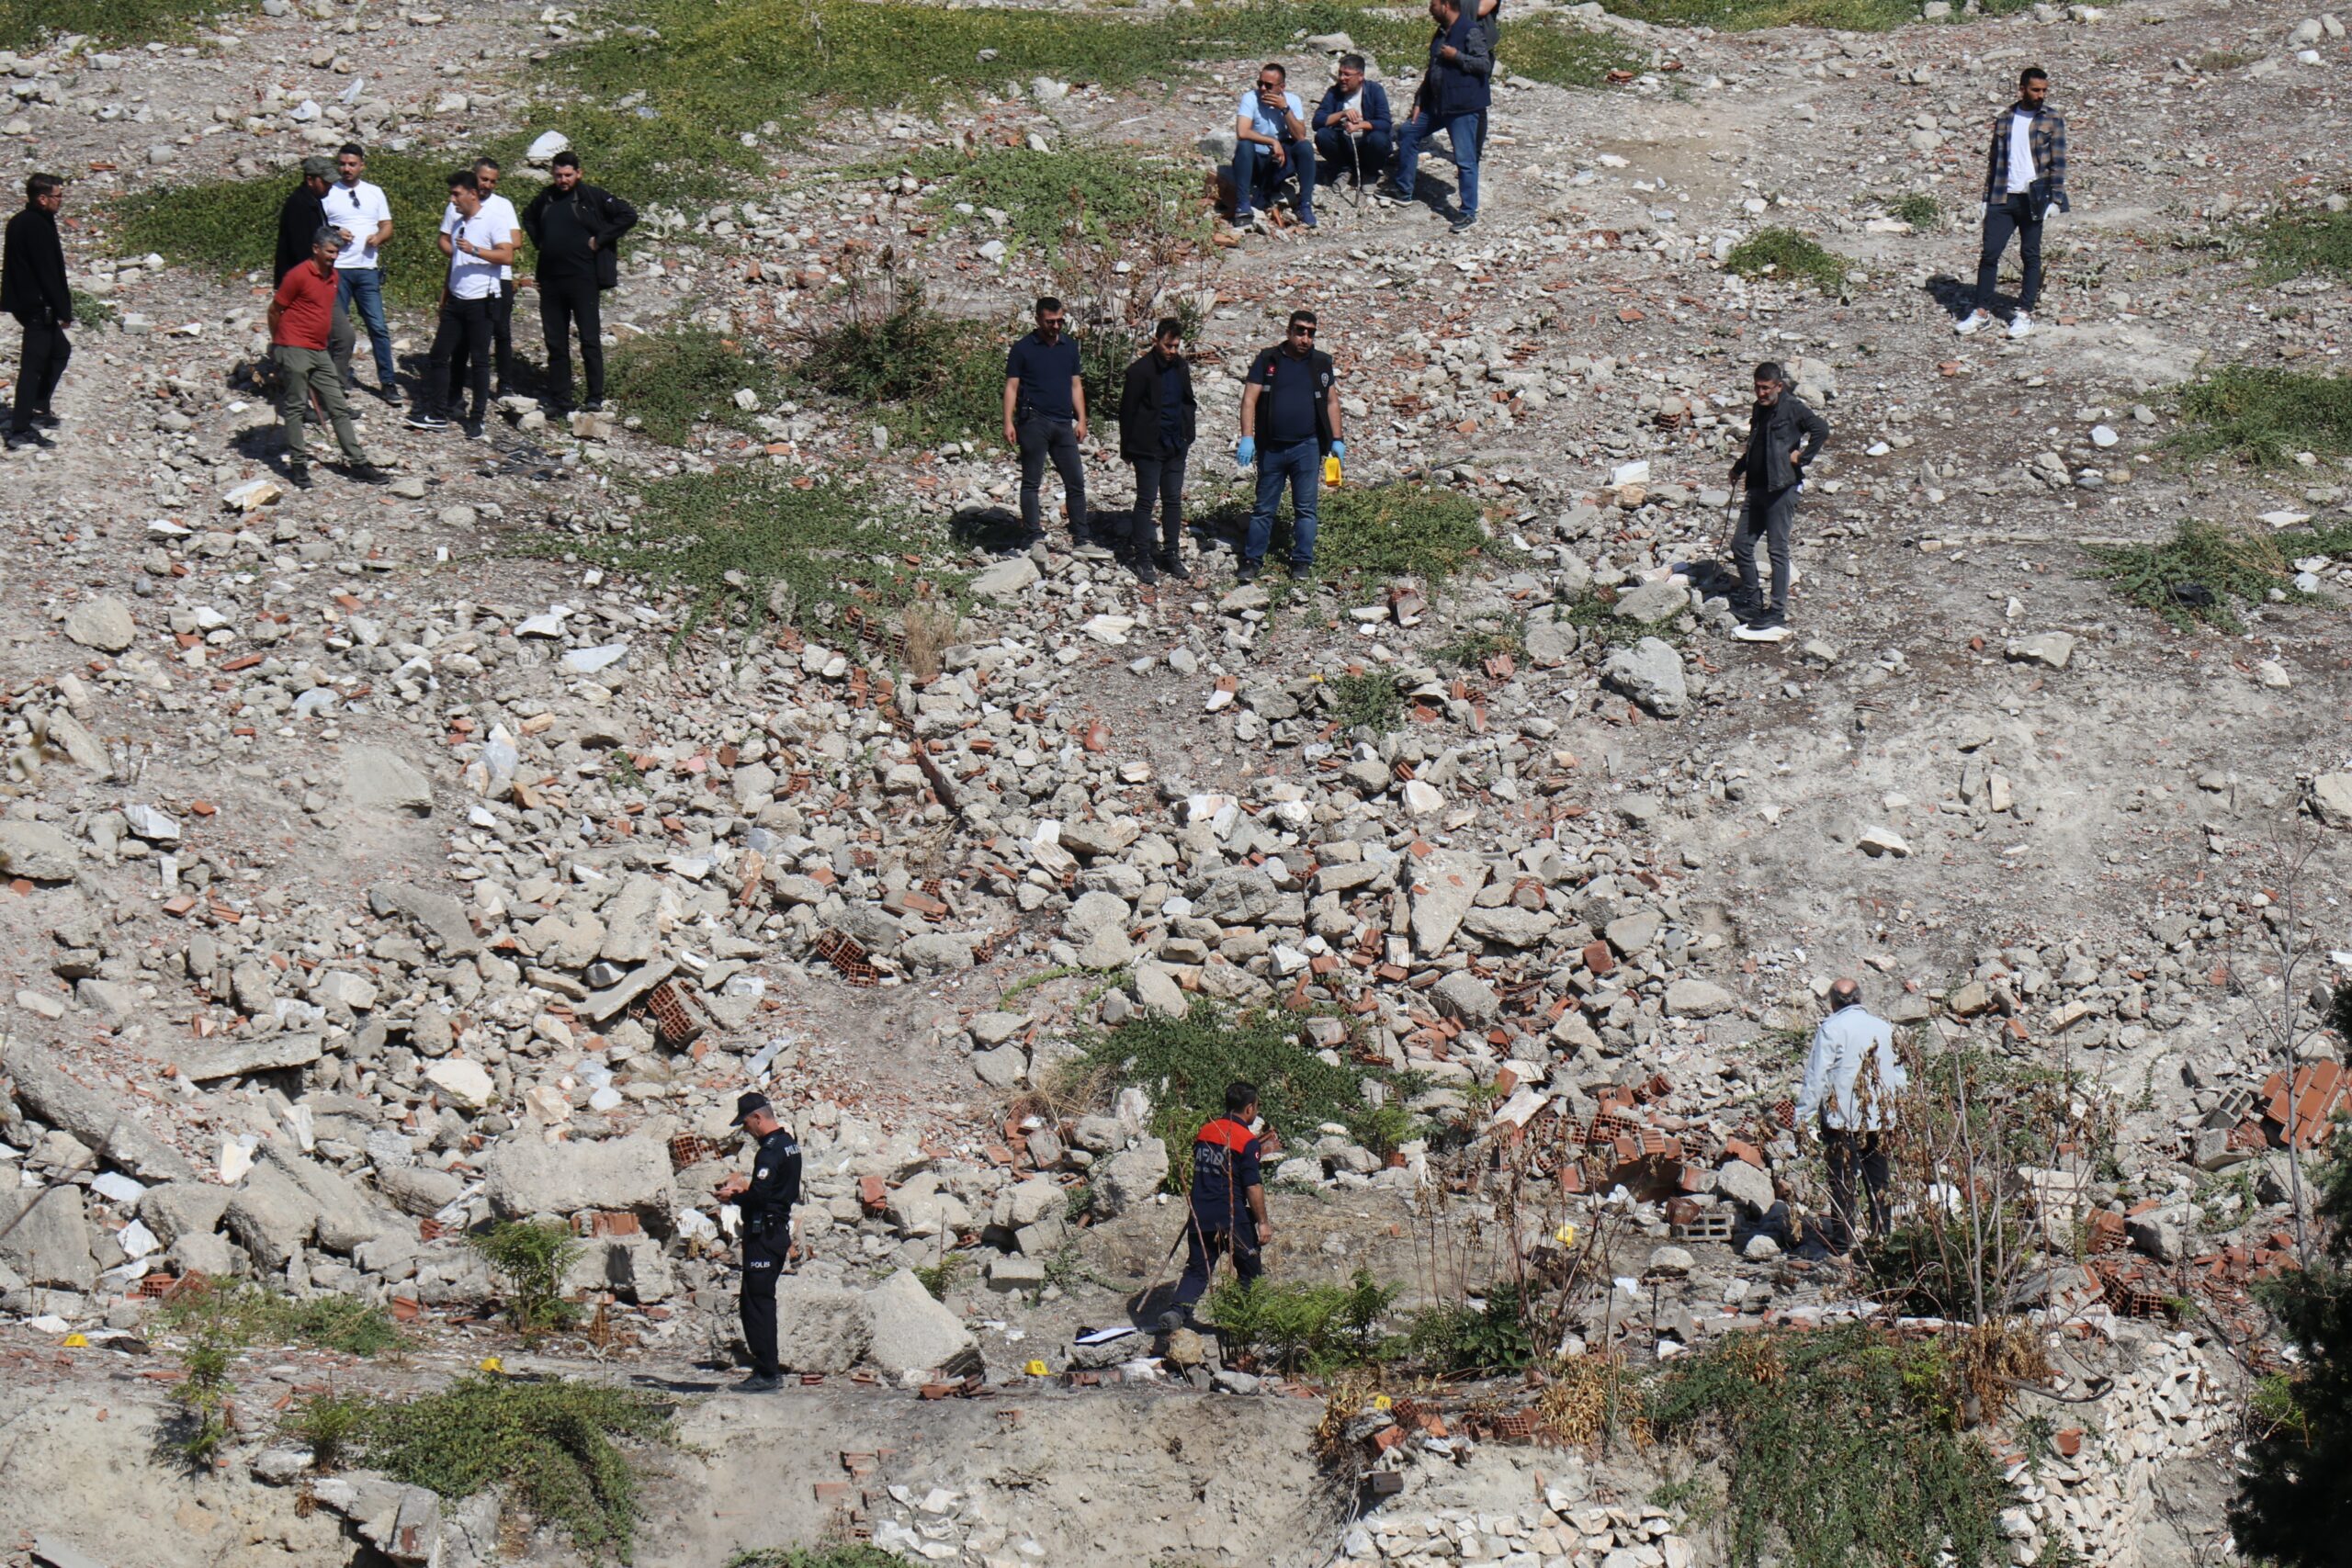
column 2153, row 770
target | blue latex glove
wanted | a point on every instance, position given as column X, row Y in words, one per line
column 1339, row 448
column 1247, row 452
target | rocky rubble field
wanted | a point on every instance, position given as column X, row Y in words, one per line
column 384, row 865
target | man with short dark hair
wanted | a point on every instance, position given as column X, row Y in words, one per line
column 1851, row 1080
column 576, row 229
column 1270, row 144
column 1453, row 97
column 301, row 314
column 33, row 289
column 501, row 214
column 299, row 220
column 1155, row 428
column 1045, row 420
column 1290, row 421
column 2025, row 176
column 1353, row 128
column 1782, row 436
column 360, row 210
column 764, row 1199
column 1227, row 1210
column 477, row 247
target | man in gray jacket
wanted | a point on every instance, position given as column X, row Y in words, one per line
column 1851, row 1080
column 1773, row 465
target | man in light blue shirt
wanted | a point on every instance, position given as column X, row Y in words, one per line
column 1271, row 143
column 1851, row 1080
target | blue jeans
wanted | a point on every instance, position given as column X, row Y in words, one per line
column 365, row 286
column 1460, row 134
column 1369, row 156
column 1256, row 175
column 2014, row 216
column 1299, row 465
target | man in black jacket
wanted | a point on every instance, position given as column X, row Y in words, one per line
column 33, row 289
column 1773, row 465
column 575, row 228
column 765, row 1199
column 1155, row 423
column 298, row 223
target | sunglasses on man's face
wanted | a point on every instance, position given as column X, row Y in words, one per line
column 1302, row 332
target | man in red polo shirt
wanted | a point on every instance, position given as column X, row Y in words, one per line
column 301, row 315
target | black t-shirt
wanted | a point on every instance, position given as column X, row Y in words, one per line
column 767, row 1204
column 1045, row 371
column 1292, row 388
column 563, row 242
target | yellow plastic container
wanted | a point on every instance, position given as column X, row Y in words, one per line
column 1332, row 475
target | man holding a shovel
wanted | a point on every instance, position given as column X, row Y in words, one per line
column 1227, row 1211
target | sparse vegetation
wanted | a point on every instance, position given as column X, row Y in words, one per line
column 1566, row 55
column 1303, row 1327
column 531, row 1259
column 942, row 1277
column 26, row 25
column 1487, row 1334
column 1473, row 648
column 1920, row 211
column 2266, row 417
column 2308, row 243
column 1747, row 16
column 930, row 376
column 1841, row 1449
column 1376, row 531
column 1789, row 257
column 1050, row 198
column 251, row 1314
column 750, row 545
column 1370, row 700
column 330, row 1424
column 555, row 1446
column 850, row 1556
column 2203, row 572
column 687, row 375
column 90, row 310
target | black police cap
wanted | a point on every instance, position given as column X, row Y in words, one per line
column 747, row 1102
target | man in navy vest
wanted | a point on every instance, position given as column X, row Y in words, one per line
column 1228, row 1213
column 1452, row 98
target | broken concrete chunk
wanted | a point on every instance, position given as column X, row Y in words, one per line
column 103, row 622
column 382, row 780
column 527, row 1177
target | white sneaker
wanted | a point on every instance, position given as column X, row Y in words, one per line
column 2020, row 324
column 1968, row 328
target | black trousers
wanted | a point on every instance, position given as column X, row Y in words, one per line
column 46, row 351
column 1850, row 1155
column 502, row 342
column 562, row 302
column 2014, row 216
column 461, row 354
column 1772, row 517
column 1159, row 480
column 1044, row 439
column 1202, row 1248
column 762, row 1264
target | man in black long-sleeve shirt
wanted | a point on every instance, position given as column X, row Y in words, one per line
column 765, row 1199
column 574, row 227
column 298, row 223
column 33, row 289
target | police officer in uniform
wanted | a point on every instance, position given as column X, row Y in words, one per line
column 765, row 1199
column 1227, row 1211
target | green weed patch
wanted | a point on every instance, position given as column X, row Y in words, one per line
column 555, row 1447
column 747, row 546
column 1841, row 1449
column 2203, row 572
column 1377, row 531
column 1789, row 257
column 1370, row 700
column 2305, row 245
column 1749, row 16
column 2266, row 417
column 1317, row 1328
column 26, row 25
column 1561, row 54
column 931, row 378
column 1088, row 193
column 816, row 1557
column 675, row 379
column 249, row 1314
column 1920, row 211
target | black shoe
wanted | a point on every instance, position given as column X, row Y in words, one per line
column 368, row 474
column 1173, row 564
column 760, row 1383
column 1390, row 190
column 389, row 396
column 476, row 431
column 1171, row 1320
column 1745, row 605
column 1772, row 617
column 1300, row 573
column 1144, row 570
column 593, row 405
column 27, row 438
column 1247, row 573
column 298, row 475
column 425, row 418
column 1463, row 223
column 47, row 419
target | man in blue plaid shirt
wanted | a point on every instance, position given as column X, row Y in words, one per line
column 2024, row 175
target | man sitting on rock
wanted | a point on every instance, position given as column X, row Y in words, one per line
column 1353, row 130
column 1271, row 145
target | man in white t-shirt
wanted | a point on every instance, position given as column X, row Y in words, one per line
column 365, row 219
column 479, row 246
column 500, row 212
column 1271, row 143
column 2025, row 176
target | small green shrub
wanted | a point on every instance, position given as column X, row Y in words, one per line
column 1489, row 1338
column 2306, row 244
column 1789, row 257
column 552, row 1445
column 1920, row 211
column 1376, row 531
column 1185, row 1063
column 1472, row 650
column 932, row 378
column 687, row 376
column 91, row 311
column 330, row 1424
column 531, row 1260
column 27, row 24
column 2266, row 417
column 746, row 545
column 1841, row 1449
column 942, row 1277
column 816, row 1557
column 256, row 1315
column 1304, row 1327
column 2203, row 572
column 1370, row 700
